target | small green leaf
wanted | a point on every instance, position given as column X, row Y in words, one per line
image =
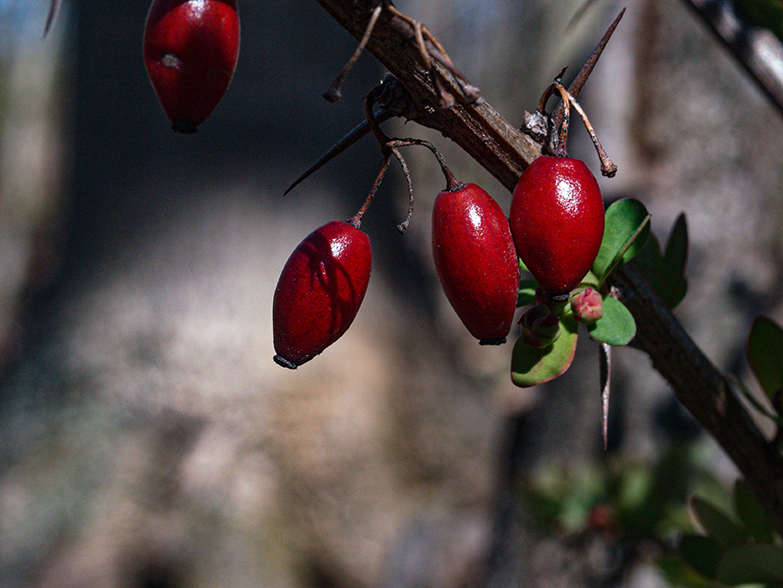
column 666, row 270
column 754, row 402
column 751, row 564
column 716, row 523
column 765, row 354
column 751, row 515
column 617, row 327
column 678, row 573
column 627, row 226
column 702, row 553
column 676, row 254
column 527, row 293
column 531, row 366
column 650, row 258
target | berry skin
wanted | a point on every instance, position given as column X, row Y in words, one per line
column 190, row 50
column 557, row 220
column 476, row 261
column 319, row 291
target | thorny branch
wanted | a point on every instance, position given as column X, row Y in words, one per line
column 504, row 151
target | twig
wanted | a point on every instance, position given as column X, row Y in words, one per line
column 333, row 93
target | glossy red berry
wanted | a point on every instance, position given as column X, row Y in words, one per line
column 319, row 291
column 557, row 220
column 476, row 261
column 190, row 51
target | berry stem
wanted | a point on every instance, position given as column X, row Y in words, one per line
column 356, row 220
column 403, row 226
column 558, row 144
column 608, row 168
column 333, row 93
column 452, row 184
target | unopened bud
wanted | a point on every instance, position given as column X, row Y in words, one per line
column 588, row 306
column 540, row 328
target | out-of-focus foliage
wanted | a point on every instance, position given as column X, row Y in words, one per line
column 735, row 548
column 765, row 13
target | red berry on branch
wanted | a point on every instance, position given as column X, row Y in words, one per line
column 319, row 291
column 557, row 220
column 476, row 261
column 190, row 51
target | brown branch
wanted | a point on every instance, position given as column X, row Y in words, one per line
column 505, row 152
column 703, row 390
column 478, row 128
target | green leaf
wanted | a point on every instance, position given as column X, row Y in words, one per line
column 531, row 366
column 765, row 355
column 702, row 553
column 666, row 270
column 676, row 254
column 754, row 402
column 751, row 564
column 751, row 515
column 716, row 523
column 678, row 573
column 527, row 293
column 617, row 327
column 627, row 226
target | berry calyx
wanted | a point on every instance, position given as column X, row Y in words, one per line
column 190, row 51
column 476, row 260
column 320, row 291
column 557, row 221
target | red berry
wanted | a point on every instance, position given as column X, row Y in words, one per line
column 319, row 291
column 476, row 261
column 557, row 219
column 190, row 51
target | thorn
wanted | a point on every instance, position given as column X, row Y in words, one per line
column 581, row 78
column 604, row 370
column 359, row 131
column 50, row 17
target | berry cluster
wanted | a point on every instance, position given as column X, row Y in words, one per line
column 555, row 230
column 555, row 227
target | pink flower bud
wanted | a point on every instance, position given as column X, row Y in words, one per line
column 588, row 306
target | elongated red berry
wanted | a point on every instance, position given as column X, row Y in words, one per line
column 190, row 50
column 476, row 261
column 557, row 220
column 319, row 291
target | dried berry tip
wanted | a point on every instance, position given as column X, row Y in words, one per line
column 500, row 341
column 279, row 360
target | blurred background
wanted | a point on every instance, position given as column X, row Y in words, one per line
column 148, row 440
